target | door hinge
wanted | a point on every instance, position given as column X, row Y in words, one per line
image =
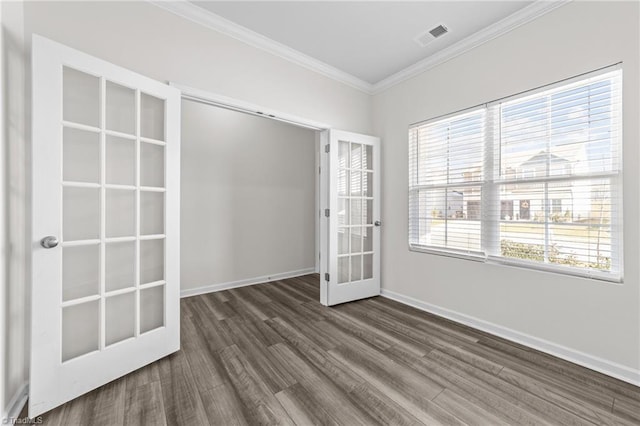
column 326, row 276
column 327, row 148
column 326, row 212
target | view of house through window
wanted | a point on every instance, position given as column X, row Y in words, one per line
column 533, row 179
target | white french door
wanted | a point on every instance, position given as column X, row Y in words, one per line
column 105, row 249
column 350, row 231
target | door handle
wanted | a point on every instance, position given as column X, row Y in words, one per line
column 377, row 223
column 49, row 242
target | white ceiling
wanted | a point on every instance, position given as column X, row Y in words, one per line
column 370, row 40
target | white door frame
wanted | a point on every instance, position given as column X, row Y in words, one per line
column 322, row 131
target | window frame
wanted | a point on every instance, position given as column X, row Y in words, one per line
column 490, row 215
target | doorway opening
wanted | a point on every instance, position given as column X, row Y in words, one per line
column 249, row 198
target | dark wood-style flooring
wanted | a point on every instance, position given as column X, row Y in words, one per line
column 271, row 354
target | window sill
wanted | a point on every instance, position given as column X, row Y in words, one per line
column 498, row 260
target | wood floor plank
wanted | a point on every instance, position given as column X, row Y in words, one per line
column 180, row 396
column 302, row 408
column 271, row 370
column 627, row 408
column 469, row 413
column 207, row 371
column 321, row 391
column 144, row 405
column 304, row 293
column 471, row 391
column 410, row 391
column 218, row 307
column 70, row 414
column 223, row 406
column 580, row 374
column 514, row 394
column 271, row 354
column 108, row 407
column 591, row 413
column 568, row 386
column 260, row 403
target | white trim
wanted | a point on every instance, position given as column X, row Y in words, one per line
column 595, row 363
column 210, row 98
column 217, row 23
column 17, row 403
column 190, row 11
column 3, row 226
column 511, row 22
column 246, row 282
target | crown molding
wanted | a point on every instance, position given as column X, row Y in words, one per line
column 201, row 16
column 511, row 22
column 209, row 19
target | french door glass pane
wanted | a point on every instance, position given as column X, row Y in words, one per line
column 151, row 117
column 367, row 266
column 80, row 271
column 368, row 212
column 356, row 268
column 356, row 240
column 151, row 308
column 356, row 183
column 121, row 161
column 367, row 184
column 367, row 238
column 151, row 213
column 344, row 157
column 80, row 97
column 120, row 317
column 151, row 165
column 343, row 240
column 368, row 157
column 80, row 213
column 356, row 156
column 120, row 265
column 343, row 269
column 343, row 211
column 356, row 211
column 80, row 329
column 80, row 156
column 121, row 108
column 151, row 261
column 120, row 213
column 343, row 182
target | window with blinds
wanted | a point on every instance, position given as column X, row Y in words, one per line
column 446, row 172
column 532, row 180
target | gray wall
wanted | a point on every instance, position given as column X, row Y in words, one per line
column 594, row 320
column 248, row 197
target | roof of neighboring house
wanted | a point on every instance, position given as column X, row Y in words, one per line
column 568, row 153
column 541, row 158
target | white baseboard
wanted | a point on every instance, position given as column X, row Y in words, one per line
column 601, row 365
column 242, row 283
column 15, row 406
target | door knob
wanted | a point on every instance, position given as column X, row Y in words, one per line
column 377, row 223
column 49, row 242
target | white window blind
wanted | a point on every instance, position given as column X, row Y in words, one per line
column 446, row 173
column 533, row 180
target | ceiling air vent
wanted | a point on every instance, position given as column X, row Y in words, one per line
column 438, row 31
column 427, row 37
